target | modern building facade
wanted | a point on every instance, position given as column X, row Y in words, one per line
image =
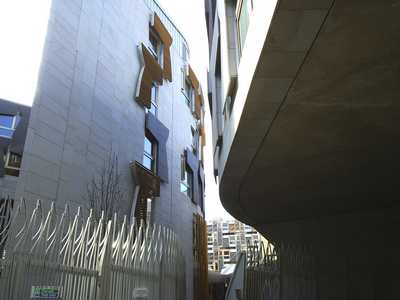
column 116, row 88
column 305, row 113
column 226, row 239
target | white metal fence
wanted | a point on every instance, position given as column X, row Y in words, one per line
column 69, row 257
column 279, row 272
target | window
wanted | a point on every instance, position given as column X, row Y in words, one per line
column 12, row 163
column 156, row 47
column 184, row 52
column 8, row 124
column 195, row 137
column 154, row 100
column 187, row 181
column 201, row 196
column 150, row 153
column 243, row 19
column 187, row 90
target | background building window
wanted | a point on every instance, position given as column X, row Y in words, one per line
column 150, row 153
column 187, row 181
column 8, row 124
column 156, row 47
column 12, row 163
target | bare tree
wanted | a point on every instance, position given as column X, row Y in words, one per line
column 104, row 190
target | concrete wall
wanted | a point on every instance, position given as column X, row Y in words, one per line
column 85, row 107
column 356, row 254
column 260, row 18
column 356, row 248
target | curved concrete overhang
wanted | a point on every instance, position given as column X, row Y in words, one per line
column 319, row 133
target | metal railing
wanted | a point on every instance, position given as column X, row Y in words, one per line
column 74, row 257
column 275, row 272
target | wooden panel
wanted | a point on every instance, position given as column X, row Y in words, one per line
column 200, row 274
column 151, row 72
column 152, row 66
column 166, row 39
column 202, row 135
column 193, row 79
column 148, row 182
column 167, row 70
column 198, row 106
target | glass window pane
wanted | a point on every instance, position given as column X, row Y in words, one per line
column 153, row 109
column 153, row 93
column 160, row 54
column 6, row 121
column 187, row 89
column 6, row 132
column 190, row 177
column 184, row 181
column 148, row 147
column 189, row 193
column 184, row 188
column 153, row 43
column 147, row 162
column 243, row 22
column 189, row 182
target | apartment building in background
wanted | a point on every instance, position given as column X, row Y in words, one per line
column 115, row 88
column 304, row 99
column 226, row 239
column 14, row 119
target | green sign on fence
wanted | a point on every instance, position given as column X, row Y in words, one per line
column 46, row 292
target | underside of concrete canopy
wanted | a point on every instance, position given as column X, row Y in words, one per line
column 319, row 134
